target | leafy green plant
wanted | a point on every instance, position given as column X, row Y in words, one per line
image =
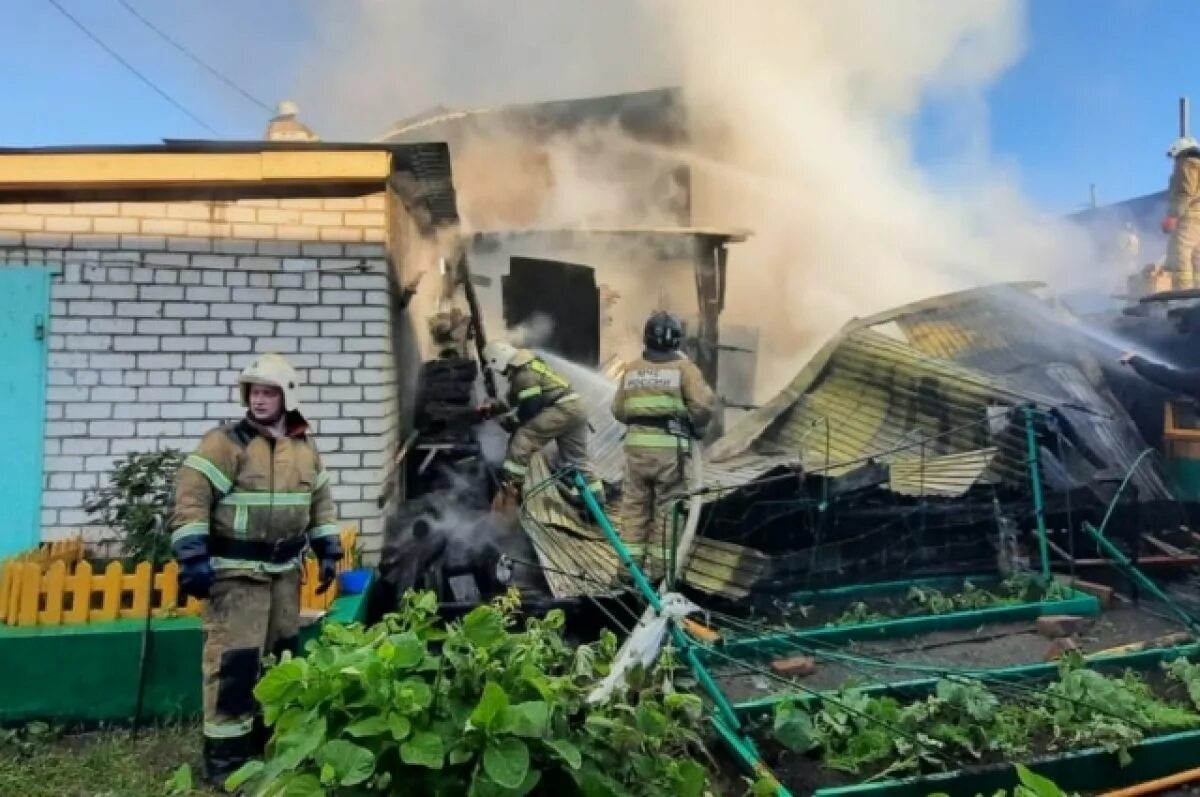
column 857, row 613
column 481, row 707
column 1188, row 674
column 181, row 781
column 139, row 489
column 1129, row 708
column 963, row 721
column 924, row 600
column 1027, row 587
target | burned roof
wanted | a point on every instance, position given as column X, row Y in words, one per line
column 653, row 114
column 926, row 383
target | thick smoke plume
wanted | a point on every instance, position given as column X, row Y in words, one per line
column 800, row 119
column 805, row 112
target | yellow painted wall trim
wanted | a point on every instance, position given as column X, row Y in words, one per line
column 24, row 171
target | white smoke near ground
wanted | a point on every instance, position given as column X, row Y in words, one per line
column 801, row 120
column 493, row 442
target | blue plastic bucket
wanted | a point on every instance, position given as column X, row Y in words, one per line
column 353, row 582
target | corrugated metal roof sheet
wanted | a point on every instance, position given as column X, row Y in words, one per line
column 577, row 559
column 1016, row 337
column 914, row 385
column 870, row 396
column 949, row 475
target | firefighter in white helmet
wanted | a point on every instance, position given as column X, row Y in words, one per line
column 545, row 410
column 248, row 502
column 1182, row 221
column 284, row 126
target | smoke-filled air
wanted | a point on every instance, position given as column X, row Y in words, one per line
column 799, row 119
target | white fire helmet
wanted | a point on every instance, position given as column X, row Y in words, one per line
column 1182, row 145
column 287, row 108
column 499, row 355
column 271, row 369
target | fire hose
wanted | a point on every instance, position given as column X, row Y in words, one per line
column 663, row 614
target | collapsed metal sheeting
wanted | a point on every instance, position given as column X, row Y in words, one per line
column 917, row 387
column 1007, row 332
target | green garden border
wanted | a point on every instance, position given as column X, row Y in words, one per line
column 1080, row 603
column 1081, row 770
column 89, row 673
column 1092, row 770
column 1140, row 659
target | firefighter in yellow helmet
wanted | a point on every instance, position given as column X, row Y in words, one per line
column 546, row 410
column 1182, row 222
column 248, row 502
column 665, row 403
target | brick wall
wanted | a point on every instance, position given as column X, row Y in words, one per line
column 280, row 226
column 155, row 308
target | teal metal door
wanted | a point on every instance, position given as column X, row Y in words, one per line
column 24, row 299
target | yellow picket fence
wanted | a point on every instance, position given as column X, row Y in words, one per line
column 38, row 589
column 69, row 550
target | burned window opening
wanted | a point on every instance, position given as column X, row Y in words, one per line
column 564, row 293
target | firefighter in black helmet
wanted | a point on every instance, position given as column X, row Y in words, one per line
column 666, row 405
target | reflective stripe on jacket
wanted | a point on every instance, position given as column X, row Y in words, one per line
column 534, row 386
column 243, row 485
column 658, row 391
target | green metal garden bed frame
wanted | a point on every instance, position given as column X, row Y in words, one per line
column 1083, row 770
column 89, row 673
column 1079, row 603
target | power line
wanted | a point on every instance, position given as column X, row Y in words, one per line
column 228, row 81
column 117, row 57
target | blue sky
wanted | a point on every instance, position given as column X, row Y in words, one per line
column 1093, row 99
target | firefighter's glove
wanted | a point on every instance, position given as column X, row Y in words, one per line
column 327, row 574
column 1169, row 223
column 196, row 578
column 329, row 553
column 492, row 408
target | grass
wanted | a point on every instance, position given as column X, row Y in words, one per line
column 106, row 763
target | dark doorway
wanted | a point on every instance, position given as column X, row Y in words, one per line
column 566, row 293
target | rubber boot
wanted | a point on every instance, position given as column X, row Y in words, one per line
column 260, row 734
column 223, row 757
column 570, row 494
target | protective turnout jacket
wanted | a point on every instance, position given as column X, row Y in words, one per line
column 533, row 387
column 1183, row 191
column 663, row 400
column 250, row 500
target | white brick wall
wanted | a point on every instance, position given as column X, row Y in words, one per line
column 143, row 355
